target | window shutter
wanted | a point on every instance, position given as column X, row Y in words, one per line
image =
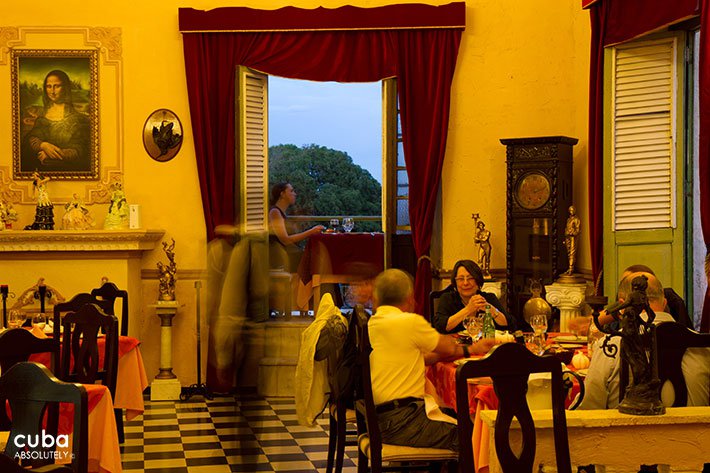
column 643, row 151
column 253, row 150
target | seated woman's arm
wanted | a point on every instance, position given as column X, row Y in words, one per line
column 448, row 314
column 278, row 226
column 501, row 319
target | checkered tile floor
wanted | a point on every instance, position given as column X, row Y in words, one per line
column 242, row 434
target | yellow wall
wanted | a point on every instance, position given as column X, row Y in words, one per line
column 522, row 71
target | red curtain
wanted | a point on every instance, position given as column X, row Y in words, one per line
column 615, row 21
column 422, row 56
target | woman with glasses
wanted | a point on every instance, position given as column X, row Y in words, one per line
column 466, row 299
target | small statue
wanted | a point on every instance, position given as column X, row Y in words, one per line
column 44, row 215
column 642, row 394
column 571, row 235
column 77, row 216
column 167, row 272
column 117, row 217
column 8, row 214
column 483, row 239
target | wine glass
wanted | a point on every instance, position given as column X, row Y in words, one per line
column 334, row 222
column 39, row 321
column 533, row 342
column 15, row 318
column 475, row 326
column 539, row 323
column 348, row 224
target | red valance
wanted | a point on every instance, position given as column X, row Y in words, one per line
column 242, row 19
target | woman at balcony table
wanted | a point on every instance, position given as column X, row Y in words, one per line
column 466, row 299
column 283, row 252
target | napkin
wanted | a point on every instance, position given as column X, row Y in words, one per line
column 504, row 337
column 38, row 332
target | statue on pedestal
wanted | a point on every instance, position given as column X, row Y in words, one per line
column 571, row 235
column 167, row 275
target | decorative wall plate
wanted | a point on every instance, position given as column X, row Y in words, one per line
column 162, row 135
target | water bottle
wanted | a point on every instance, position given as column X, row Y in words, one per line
column 489, row 328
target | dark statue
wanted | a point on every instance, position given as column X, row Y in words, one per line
column 637, row 350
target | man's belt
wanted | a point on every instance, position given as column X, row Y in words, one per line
column 395, row 404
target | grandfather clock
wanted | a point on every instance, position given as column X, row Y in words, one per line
column 539, row 193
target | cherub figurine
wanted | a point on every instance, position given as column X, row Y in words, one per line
column 167, row 272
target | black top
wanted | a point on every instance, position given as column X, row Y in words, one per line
column 272, row 237
column 450, row 302
column 676, row 307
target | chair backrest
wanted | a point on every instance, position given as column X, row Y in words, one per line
column 29, row 388
column 434, row 299
column 367, row 402
column 509, row 365
column 672, row 339
column 81, row 345
column 106, row 296
column 72, row 305
column 17, row 344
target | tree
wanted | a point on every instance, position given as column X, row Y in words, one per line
column 327, row 182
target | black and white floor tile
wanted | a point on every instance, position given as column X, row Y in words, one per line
column 227, row 434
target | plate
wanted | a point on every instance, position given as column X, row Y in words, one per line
column 570, row 339
column 571, row 345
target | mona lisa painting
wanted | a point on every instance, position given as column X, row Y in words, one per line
column 55, row 113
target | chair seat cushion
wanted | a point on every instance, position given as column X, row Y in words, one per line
column 402, row 453
column 350, row 416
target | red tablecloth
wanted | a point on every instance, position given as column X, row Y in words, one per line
column 334, row 253
column 125, row 344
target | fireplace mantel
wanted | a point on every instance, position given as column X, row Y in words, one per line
column 23, row 241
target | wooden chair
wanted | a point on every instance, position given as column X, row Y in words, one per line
column 72, row 305
column 370, row 446
column 80, row 344
column 342, row 376
column 672, row 339
column 509, row 365
column 29, row 388
column 106, row 296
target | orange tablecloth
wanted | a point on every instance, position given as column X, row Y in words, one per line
column 131, row 377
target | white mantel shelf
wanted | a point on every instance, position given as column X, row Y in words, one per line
column 22, row 241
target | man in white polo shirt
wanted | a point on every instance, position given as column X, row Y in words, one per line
column 401, row 344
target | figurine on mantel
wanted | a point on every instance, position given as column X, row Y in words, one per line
column 7, row 215
column 167, row 275
column 44, row 215
column 117, row 217
column 77, row 216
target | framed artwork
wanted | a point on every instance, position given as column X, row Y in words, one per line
column 55, row 113
column 162, row 135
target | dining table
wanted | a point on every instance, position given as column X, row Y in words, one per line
column 482, row 397
column 329, row 258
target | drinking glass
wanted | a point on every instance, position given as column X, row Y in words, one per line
column 15, row 318
column 348, row 224
column 474, row 325
column 534, row 342
column 39, row 321
column 539, row 323
column 334, row 222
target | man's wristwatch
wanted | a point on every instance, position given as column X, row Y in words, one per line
column 466, row 354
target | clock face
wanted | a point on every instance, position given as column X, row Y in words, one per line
column 533, row 191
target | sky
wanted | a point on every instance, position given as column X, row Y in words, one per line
column 340, row 116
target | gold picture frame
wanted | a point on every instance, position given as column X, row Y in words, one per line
column 162, row 135
column 55, row 113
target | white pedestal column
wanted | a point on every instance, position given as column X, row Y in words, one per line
column 165, row 386
column 568, row 298
column 494, row 287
